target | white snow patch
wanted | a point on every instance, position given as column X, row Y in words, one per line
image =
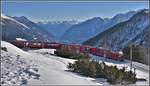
column 44, row 51
column 13, row 49
column 48, row 52
column 146, row 11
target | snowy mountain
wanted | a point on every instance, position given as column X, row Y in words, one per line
column 119, row 18
column 33, row 25
column 79, row 32
column 90, row 28
column 57, row 28
column 21, row 27
column 123, row 33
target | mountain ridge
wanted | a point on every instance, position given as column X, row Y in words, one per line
column 12, row 29
column 121, row 34
column 83, row 31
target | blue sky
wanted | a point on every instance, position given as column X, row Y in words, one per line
column 59, row 11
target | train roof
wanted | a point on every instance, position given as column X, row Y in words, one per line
column 20, row 39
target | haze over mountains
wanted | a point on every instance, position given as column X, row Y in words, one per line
column 117, row 32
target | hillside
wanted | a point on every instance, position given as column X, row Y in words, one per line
column 83, row 31
column 31, row 68
column 120, row 35
column 16, row 27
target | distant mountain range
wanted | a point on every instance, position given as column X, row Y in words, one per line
column 83, row 31
column 134, row 30
column 57, row 28
column 21, row 27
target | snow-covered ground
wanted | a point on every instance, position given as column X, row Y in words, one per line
column 15, row 69
column 32, row 68
column 40, row 67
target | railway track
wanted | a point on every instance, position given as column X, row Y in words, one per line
column 143, row 68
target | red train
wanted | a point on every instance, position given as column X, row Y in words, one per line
column 76, row 48
column 36, row 45
column 93, row 50
column 107, row 53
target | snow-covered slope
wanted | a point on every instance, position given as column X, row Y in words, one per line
column 12, row 29
column 13, row 49
column 15, row 68
column 19, row 67
column 39, row 67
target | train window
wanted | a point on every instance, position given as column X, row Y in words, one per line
column 88, row 48
column 27, row 44
column 38, row 43
column 34, row 43
column 55, row 44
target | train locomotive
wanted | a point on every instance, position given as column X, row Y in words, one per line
column 74, row 47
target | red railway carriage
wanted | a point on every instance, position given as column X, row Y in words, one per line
column 85, row 49
column 108, row 54
column 93, row 50
column 71, row 48
column 76, row 48
column 114, row 55
column 36, row 45
column 52, row 45
column 97, row 51
column 20, row 44
column 119, row 55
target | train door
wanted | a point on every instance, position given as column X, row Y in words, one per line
column 27, row 44
column 92, row 50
